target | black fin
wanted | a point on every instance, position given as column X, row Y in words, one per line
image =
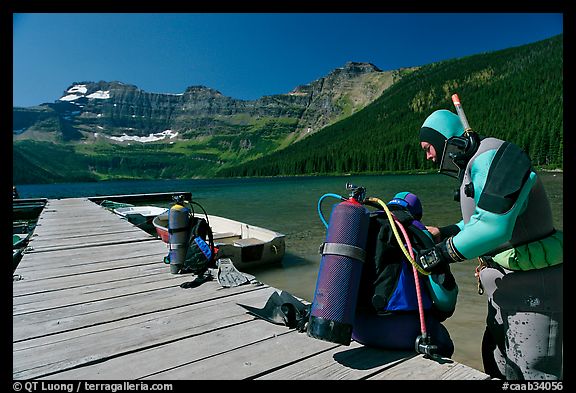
column 271, row 312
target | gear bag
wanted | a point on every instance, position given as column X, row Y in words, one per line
column 200, row 252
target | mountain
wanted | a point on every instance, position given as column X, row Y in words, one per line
column 94, row 120
column 356, row 119
column 116, row 108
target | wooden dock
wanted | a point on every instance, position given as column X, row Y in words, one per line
column 93, row 300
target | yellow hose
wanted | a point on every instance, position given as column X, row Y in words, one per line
column 395, row 230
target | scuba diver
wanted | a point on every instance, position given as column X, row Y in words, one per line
column 387, row 312
column 506, row 224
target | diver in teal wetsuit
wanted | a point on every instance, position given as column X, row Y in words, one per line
column 506, row 224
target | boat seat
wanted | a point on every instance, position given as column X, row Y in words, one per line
column 247, row 242
column 223, row 235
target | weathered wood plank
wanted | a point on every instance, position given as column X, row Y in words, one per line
column 149, row 362
column 67, row 218
column 420, row 367
column 55, row 320
column 36, row 281
column 248, row 362
column 33, row 268
column 77, row 221
column 343, row 362
column 93, row 258
column 114, row 271
column 40, row 342
column 92, row 240
column 57, row 353
column 93, row 292
column 72, row 230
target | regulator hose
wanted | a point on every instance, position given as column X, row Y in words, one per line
column 416, row 279
column 398, row 239
column 409, row 255
column 320, row 206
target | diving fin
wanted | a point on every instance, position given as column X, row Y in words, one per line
column 271, row 312
column 297, row 314
column 282, row 309
column 228, row 276
column 289, row 298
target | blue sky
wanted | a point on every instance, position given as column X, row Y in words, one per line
column 245, row 56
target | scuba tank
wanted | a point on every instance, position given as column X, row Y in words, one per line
column 178, row 233
column 343, row 252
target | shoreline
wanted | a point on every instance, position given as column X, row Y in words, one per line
column 383, row 173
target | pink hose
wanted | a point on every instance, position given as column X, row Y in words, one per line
column 416, row 278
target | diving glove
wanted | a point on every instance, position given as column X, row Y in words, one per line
column 435, row 260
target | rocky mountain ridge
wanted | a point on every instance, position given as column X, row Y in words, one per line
column 89, row 110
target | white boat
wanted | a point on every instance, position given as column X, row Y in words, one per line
column 246, row 245
column 141, row 216
column 145, row 211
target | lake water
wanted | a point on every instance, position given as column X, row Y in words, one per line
column 289, row 205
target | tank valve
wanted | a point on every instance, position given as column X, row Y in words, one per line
column 424, row 346
column 356, row 192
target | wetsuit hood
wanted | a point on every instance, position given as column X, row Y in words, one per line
column 438, row 127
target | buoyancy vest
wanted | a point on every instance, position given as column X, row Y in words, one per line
column 501, row 171
column 387, row 283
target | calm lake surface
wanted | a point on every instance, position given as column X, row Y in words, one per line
column 289, row 205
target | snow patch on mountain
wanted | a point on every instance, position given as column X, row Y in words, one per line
column 78, row 91
column 144, row 139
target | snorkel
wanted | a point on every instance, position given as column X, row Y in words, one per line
column 459, row 149
column 461, row 114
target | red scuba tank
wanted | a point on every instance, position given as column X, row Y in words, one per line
column 343, row 252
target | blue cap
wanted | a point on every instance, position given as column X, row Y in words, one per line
column 410, row 201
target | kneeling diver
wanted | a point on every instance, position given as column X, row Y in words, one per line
column 387, row 314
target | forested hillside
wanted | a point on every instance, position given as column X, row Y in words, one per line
column 514, row 94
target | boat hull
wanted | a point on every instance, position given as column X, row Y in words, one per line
column 19, row 240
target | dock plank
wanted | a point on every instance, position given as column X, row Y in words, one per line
column 114, row 271
column 88, row 241
column 251, row 361
column 92, row 292
column 90, row 255
column 57, row 353
column 177, row 353
column 341, row 363
column 421, row 368
column 57, row 319
column 41, row 266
